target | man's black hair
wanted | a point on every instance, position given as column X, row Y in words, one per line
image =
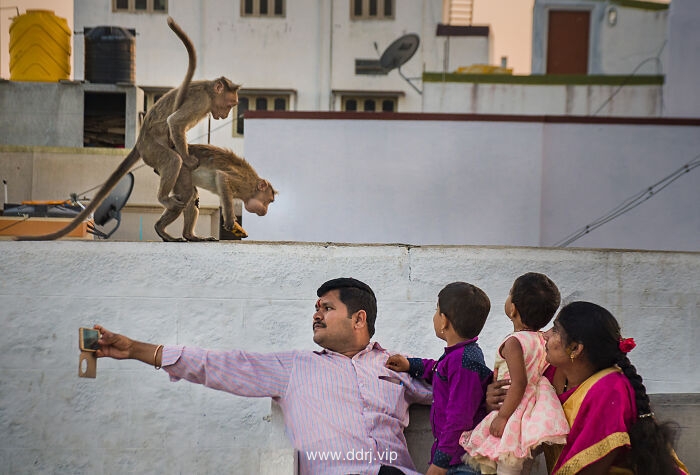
column 355, row 295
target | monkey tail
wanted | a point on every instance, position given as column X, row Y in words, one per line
column 191, row 65
column 109, row 185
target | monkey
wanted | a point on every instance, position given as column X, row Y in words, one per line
column 166, row 122
column 227, row 175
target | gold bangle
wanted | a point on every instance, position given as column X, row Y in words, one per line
column 155, row 357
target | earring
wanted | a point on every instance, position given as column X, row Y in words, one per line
column 572, row 358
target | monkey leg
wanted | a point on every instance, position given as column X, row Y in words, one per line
column 165, row 219
column 184, row 189
column 191, row 214
column 168, row 164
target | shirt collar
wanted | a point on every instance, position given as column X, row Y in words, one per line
column 461, row 344
column 372, row 345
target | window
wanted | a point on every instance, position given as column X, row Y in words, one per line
column 151, row 96
column 350, row 103
column 259, row 100
column 263, row 8
column 139, row 6
column 372, row 9
column 104, row 119
column 457, row 12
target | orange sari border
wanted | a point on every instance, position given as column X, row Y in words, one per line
column 573, row 403
column 594, row 453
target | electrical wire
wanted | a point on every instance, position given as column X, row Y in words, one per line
column 26, row 217
column 630, row 203
column 194, row 140
column 659, row 67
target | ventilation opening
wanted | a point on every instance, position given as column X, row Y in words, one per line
column 104, row 120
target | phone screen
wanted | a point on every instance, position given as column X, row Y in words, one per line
column 89, row 339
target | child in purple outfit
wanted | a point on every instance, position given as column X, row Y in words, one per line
column 459, row 378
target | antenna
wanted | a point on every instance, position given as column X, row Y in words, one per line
column 398, row 53
column 110, row 208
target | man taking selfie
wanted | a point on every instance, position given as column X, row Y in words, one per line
column 343, row 410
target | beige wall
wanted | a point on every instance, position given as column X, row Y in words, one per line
column 53, row 173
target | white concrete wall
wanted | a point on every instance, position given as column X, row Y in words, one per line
column 26, row 106
column 482, row 97
column 683, row 68
column 260, row 297
column 637, row 36
column 458, row 181
column 629, row 45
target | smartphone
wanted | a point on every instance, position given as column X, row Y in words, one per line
column 88, row 339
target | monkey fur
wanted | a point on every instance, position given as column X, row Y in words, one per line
column 164, row 123
column 225, row 174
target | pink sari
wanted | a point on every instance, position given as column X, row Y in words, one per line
column 600, row 411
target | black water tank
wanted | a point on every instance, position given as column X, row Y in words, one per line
column 109, row 55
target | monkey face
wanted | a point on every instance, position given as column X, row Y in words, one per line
column 262, row 198
column 259, row 203
column 222, row 104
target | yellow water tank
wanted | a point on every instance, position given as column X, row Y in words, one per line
column 39, row 47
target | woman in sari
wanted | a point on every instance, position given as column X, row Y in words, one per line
column 613, row 430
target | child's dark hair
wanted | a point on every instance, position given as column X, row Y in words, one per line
column 466, row 307
column 537, row 299
column 355, row 295
column 599, row 333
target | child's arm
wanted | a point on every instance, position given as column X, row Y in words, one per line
column 512, row 352
column 419, row 391
column 398, row 363
column 416, row 367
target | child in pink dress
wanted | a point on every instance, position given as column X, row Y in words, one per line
column 531, row 413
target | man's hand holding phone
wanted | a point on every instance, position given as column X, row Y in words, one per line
column 113, row 345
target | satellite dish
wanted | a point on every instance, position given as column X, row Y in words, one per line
column 398, row 53
column 110, row 208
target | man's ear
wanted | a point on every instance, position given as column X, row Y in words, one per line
column 359, row 319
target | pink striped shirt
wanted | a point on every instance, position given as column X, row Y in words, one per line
column 339, row 415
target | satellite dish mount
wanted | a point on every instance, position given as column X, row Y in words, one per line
column 398, row 53
column 110, row 208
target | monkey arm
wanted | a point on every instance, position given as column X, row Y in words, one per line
column 226, row 195
column 178, row 125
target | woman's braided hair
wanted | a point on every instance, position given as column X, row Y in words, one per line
column 599, row 332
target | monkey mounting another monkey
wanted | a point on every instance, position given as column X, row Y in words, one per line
column 167, row 121
column 223, row 173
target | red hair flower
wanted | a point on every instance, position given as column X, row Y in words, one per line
column 626, row 344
